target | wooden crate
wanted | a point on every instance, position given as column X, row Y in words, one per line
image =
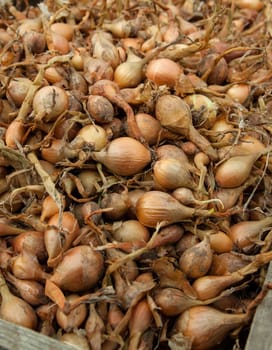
column 260, row 334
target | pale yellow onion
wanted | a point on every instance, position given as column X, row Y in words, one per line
column 203, row 109
column 49, row 102
column 94, row 135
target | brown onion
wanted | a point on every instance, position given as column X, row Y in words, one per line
column 79, row 270
column 196, row 261
column 206, row 326
column 100, row 109
column 76, row 340
column 31, row 291
column 49, row 102
column 235, row 170
column 58, row 237
column 171, row 173
column 156, row 207
column 32, row 241
column 15, row 309
column 244, row 233
column 124, row 156
column 163, row 71
column 73, row 319
column 129, row 231
column 174, row 114
column 203, row 110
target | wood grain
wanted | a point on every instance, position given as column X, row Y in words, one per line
column 260, row 334
column 14, row 337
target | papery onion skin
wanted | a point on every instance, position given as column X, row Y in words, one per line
column 49, row 102
column 163, row 71
column 124, row 156
column 156, row 207
column 80, row 269
column 206, row 326
column 175, row 115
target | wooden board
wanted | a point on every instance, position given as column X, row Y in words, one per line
column 13, row 337
column 260, row 334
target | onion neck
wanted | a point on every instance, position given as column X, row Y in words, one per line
column 202, row 143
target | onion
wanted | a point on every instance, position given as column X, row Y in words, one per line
column 76, row 340
column 94, row 135
column 50, row 207
column 73, row 319
column 64, row 29
column 15, row 309
column 49, row 102
column 140, row 320
column 79, row 270
column 221, row 130
column 94, row 328
column 171, row 173
column 100, row 109
column 174, row 114
column 173, row 301
column 118, row 203
column 26, row 266
column 34, row 42
column 17, row 90
column 170, row 276
column 32, row 241
column 206, row 326
column 156, row 207
column 15, row 133
column 244, row 233
column 151, row 129
column 61, row 231
column 163, row 71
column 58, row 150
column 226, row 263
column 235, row 170
column 196, row 261
column 103, row 48
column 111, row 91
column 124, row 156
column 203, row 110
column 31, row 291
column 239, row 92
column 130, row 73
column 129, row 231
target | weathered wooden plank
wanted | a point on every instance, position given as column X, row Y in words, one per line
column 260, row 334
column 14, row 337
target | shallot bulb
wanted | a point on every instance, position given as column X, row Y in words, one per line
column 49, row 102
column 156, row 207
column 15, row 309
column 58, row 237
column 124, row 156
column 79, row 270
column 196, row 261
column 171, row 173
column 31, row 291
column 235, row 171
column 73, row 319
column 175, row 115
column 244, row 233
column 206, row 326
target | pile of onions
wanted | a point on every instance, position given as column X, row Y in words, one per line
column 135, row 171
